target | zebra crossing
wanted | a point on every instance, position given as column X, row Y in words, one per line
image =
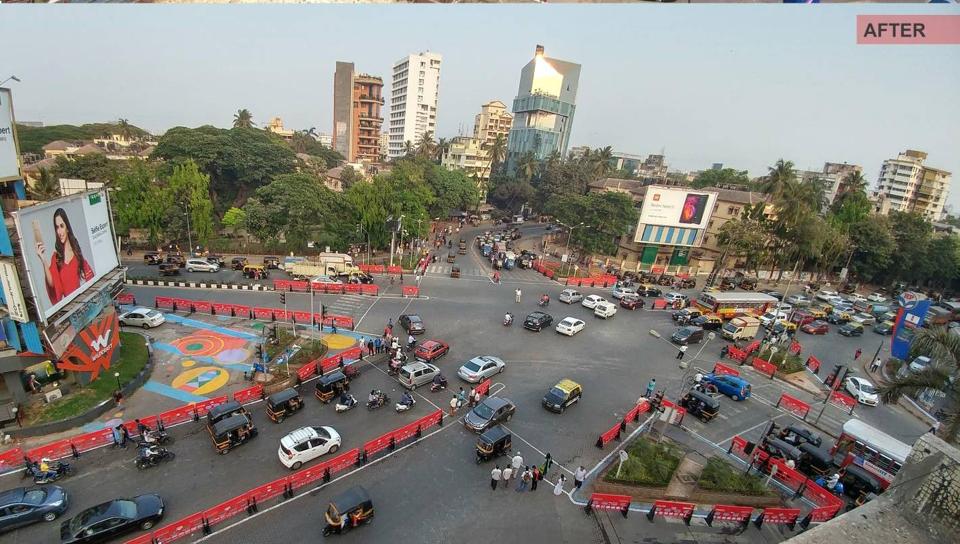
column 351, row 305
column 480, row 272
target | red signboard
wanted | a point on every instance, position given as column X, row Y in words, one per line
column 605, row 501
column 484, row 387
column 737, row 354
column 91, row 351
column 793, row 405
column 780, row 516
column 126, row 298
column 813, row 364
column 843, row 400
column 764, row 367
column 223, row 309
column 721, row 369
column 725, row 512
column 672, row 509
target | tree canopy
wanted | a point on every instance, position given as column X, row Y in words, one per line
column 32, row 139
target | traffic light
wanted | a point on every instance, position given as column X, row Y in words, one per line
column 283, row 298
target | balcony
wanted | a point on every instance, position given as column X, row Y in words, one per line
column 371, row 117
column 374, row 99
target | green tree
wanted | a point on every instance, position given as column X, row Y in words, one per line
column 234, row 218
column 32, row 139
column 943, row 347
column 605, row 217
column 496, row 152
column 453, row 190
column 873, row 248
column 188, row 189
column 301, row 209
column 601, row 162
column 441, row 148
column 139, row 201
column 854, row 182
column 509, row 193
column 349, row 176
column 726, row 177
column 780, row 174
column 243, row 119
column 94, row 167
column 527, row 166
column 125, row 129
column 47, row 187
column 426, row 146
column 913, row 234
column 942, row 263
column 849, row 209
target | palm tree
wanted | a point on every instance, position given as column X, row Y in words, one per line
column 243, row 119
column 854, row 182
column 426, row 145
column 47, row 187
column 125, row 128
column 780, row 174
column 442, row 147
column 527, row 165
column 943, row 347
column 496, row 152
column 600, row 160
column 408, row 148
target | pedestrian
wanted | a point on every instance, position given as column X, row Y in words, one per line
column 377, row 345
column 579, row 476
column 470, row 399
column 547, row 463
column 476, row 397
column 876, row 364
column 453, row 405
column 390, row 323
column 462, row 398
column 333, row 327
column 856, row 356
column 524, row 480
column 495, row 477
column 651, row 385
column 141, row 428
column 681, row 352
column 558, row 488
column 516, row 462
column 536, row 476
column 340, row 362
column 518, row 293
column 370, row 346
column 401, row 277
column 124, row 435
column 507, row 472
column 116, row 436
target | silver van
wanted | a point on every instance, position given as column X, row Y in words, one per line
column 570, row 296
column 416, row 374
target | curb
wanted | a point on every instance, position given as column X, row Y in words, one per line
column 202, row 285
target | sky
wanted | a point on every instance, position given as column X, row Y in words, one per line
column 742, row 85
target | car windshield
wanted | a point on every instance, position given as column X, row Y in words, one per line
column 556, row 394
column 483, row 411
column 414, row 319
column 322, row 432
column 568, row 322
column 126, row 509
column 84, row 517
column 867, row 388
column 34, row 496
column 472, row 366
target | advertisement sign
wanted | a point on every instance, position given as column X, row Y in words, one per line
column 674, row 207
column 92, row 349
column 9, row 156
column 911, row 315
column 12, row 292
column 67, row 245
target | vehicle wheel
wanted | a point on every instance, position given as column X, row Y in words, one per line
column 737, row 398
column 413, row 387
column 562, row 408
column 279, row 419
column 509, row 416
column 49, row 516
column 145, row 326
column 189, row 270
column 334, row 448
column 146, row 525
column 502, row 368
column 296, row 466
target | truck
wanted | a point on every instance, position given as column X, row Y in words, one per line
column 325, row 264
column 743, row 327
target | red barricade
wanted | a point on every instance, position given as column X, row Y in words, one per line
column 764, row 367
column 203, row 307
column 795, row 347
column 752, row 346
column 281, row 285
column 307, row 370
column 606, row 501
column 672, row 509
column 634, row 413
column 613, row 433
column 737, row 354
column 93, row 440
column 318, row 318
column 300, row 286
column 163, row 302
column 376, row 269
column 333, row 288
column 407, row 431
column 793, row 405
column 785, row 475
column 843, row 400
column 721, row 369
column 364, row 268
column 56, row 450
column 126, row 298
column 282, row 315
column 394, row 270
column 223, row 309
column 377, row 444
column 549, row 273
column 146, row 538
column 738, row 446
column 352, row 288
column 263, row 313
column 428, row 421
column 177, row 415
column 778, row 516
column 659, row 304
column 370, row 289
column 203, row 407
column 11, row 459
column 226, row 510
column 268, row 491
column 241, row 311
column 573, row 281
column 586, row 282
column 410, row 291
column 302, row 317
column 249, row 394
column 813, row 364
column 341, row 321
column 726, row 512
column 329, row 363
column 179, row 529
column 483, row 388
column 183, row 304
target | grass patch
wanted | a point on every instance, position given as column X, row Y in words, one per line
column 130, row 360
column 793, row 363
column 649, row 464
column 721, row 477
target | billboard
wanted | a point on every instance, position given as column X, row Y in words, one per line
column 9, row 157
column 675, row 207
column 92, row 350
column 67, row 245
column 912, row 313
column 12, row 292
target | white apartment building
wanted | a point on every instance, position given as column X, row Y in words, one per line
column 907, row 185
column 466, row 153
column 413, row 100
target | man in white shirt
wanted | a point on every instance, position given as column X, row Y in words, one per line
column 495, row 477
column 517, row 462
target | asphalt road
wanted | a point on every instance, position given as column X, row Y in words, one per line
column 434, row 491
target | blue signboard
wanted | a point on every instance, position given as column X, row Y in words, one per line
column 911, row 315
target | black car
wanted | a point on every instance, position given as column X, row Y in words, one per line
column 707, row 322
column 537, row 321
column 650, row 292
column 412, row 323
column 838, row 318
column 110, row 519
column 851, row 329
column 361, row 278
column 488, row 413
column 25, row 505
column 687, row 335
column 216, row 259
column 776, row 294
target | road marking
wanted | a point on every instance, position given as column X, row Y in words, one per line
column 366, row 312
column 538, row 450
column 757, row 426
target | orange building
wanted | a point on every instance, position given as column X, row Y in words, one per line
column 357, row 99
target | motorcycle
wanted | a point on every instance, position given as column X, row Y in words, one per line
column 60, row 470
column 439, row 386
column 508, row 320
column 401, row 407
column 411, row 345
column 152, row 456
column 351, row 402
column 544, row 302
column 157, row 437
column 381, row 400
column 394, row 367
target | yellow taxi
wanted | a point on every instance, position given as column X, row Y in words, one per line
column 562, row 395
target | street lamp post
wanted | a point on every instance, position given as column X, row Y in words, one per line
column 15, row 78
column 566, row 249
column 117, row 376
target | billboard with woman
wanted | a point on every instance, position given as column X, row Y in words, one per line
column 67, row 245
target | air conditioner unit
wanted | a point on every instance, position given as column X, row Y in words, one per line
column 53, row 395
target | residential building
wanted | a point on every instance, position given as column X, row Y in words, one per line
column 653, row 169
column 580, row 151
column 543, row 109
column 357, row 99
column 325, row 139
column 276, row 127
column 626, row 162
column 414, row 98
column 466, row 153
column 834, row 173
column 384, row 143
column 492, row 121
column 909, row 185
column 670, row 246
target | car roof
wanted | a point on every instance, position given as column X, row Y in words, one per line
column 412, row 317
column 495, row 402
column 566, row 385
column 570, row 320
column 430, row 343
column 299, row 436
column 12, row 495
column 570, row 291
column 142, row 309
column 417, row 365
column 537, row 314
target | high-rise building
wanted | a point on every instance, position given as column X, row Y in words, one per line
column 413, row 100
column 356, row 114
column 833, row 175
column 908, row 185
column 492, row 121
column 543, row 109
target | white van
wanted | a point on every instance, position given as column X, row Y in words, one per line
column 605, row 309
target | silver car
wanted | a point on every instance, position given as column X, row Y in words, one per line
column 570, row 296
column 200, row 265
column 481, row 368
column 416, row 374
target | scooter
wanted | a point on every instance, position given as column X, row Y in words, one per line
column 381, row 400
column 508, row 320
column 400, row 407
column 351, row 402
column 411, row 345
column 544, row 302
column 61, row 470
column 151, row 456
column 157, row 437
column 394, row 367
column 439, row 386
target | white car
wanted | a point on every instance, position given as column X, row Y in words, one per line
column 306, row 444
column 324, row 279
column 142, row 317
column 826, row 294
column 570, row 296
column 605, row 309
column 876, row 297
column 862, row 390
column 798, row 300
column 619, row 291
column 481, row 368
column 784, row 307
column 770, row 318
column 200, row 265
column 857, row 297
column 863, row 319
column 591, row 301
column 570, row 326
column 673, row 296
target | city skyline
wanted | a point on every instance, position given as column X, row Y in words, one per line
column 773, row 84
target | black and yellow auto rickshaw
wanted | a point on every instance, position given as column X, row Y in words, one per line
column 255, row 271
column 331, row 385
column 152, row 258
column 858, row 483
column 348, row 510
column 237, row 263
column 494, row 442
column 283, row 403
column 451, row 257
column 231, row 432
column 224, row 411
column 177, row 259
column 814, row 461
column 700, row 405
column 271, row 261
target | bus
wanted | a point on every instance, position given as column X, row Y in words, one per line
column 871, row 449
column 730, row 304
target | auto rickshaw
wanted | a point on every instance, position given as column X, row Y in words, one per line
column 238, row 263
column 858, row 483
column 176, row 259
column 271, row 261
column 215, row 259
column 283, row 403
column 255, row 271
column 451, row 257
column 748, row 284
column 331, row 385
column 494, row 442
column 231, row 432
column 701, row 405
column 455, row 272
column 169, row 269
column 152, row 258
column 223, row 411
column 347, row 510
column 814, row 461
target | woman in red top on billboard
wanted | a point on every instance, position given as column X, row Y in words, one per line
column 68, row 269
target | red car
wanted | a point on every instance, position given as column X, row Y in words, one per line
column 429, row 350
column 631, row 302
column 816, row 327
column 802, row 318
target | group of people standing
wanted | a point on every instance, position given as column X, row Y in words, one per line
column 529, row 476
